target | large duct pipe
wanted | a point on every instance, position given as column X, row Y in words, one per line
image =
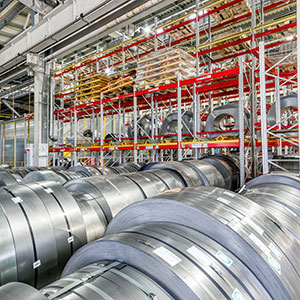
column 111, row 24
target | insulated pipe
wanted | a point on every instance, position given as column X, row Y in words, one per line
column 106, row 27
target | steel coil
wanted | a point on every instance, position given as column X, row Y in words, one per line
column 170, row 123
column 228, row 167
column 115, row 281
column 279, row 193
column 144, row 127
column 18, row 290
column 188, row 174
column 209, row 174
column 68, row 175
column 7, row 178
column 241, row 226
column 42, row 227
column 85, row 171
column 134, row 166
column 103, row 170
column 44, row 175
column 220, row 113
column 287, row 102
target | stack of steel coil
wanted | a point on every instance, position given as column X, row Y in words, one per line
column 45, row 222
column 41, row 226
column 196, row 243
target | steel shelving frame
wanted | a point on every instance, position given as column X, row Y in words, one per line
column 194, row 92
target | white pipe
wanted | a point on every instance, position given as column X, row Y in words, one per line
column 111, row 24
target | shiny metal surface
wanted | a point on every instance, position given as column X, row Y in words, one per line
column 169, row 125
column 228, row 167
column 93, row 215
column 226, row 219
column 7, row 178
column 41, row 228
column 44, row 175
column 83, row 171
column 144, row 127
column 119, row 281
column 169, row 177
column 104, row 170
column 219, row 113
column 18, row 290
column 283, row 178
column 286, row 102
column 149, row 184
column 209, row 174
column 68, row 175
column 185, row 274
column 188, row 174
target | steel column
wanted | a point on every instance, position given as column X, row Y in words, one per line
column 241, row 120
column 179, row 120
column 253, row 100
column 263, row 108
column 298, row 77
column 135, row 125
column 101, row 132
column 277, row 107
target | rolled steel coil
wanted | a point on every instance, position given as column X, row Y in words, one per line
column 44, row 175
column 169, row 125
column 85, row 171
column 157, row 261
column 216, row 170
column 41, row 226
column 228, row 167
column 187, row 172
column 209, row 174
column 121, row 169
column 279, row 193
column 103, row 170
column 144, row 127
column 101, row 198
column 68, row 175
column 219, row 113
column 134, row 166
column 7, row 178
column 286, row 102
column 19, row 290
column 241, row 226
column 20, row 171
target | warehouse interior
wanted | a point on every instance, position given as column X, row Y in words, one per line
column 149, row 149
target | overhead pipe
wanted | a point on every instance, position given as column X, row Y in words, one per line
column 108, row 26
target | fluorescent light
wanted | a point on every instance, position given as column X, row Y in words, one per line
column 193, row 16
column 147, row 29
column 289, row 38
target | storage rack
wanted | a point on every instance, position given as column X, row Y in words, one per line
column 207, row 87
